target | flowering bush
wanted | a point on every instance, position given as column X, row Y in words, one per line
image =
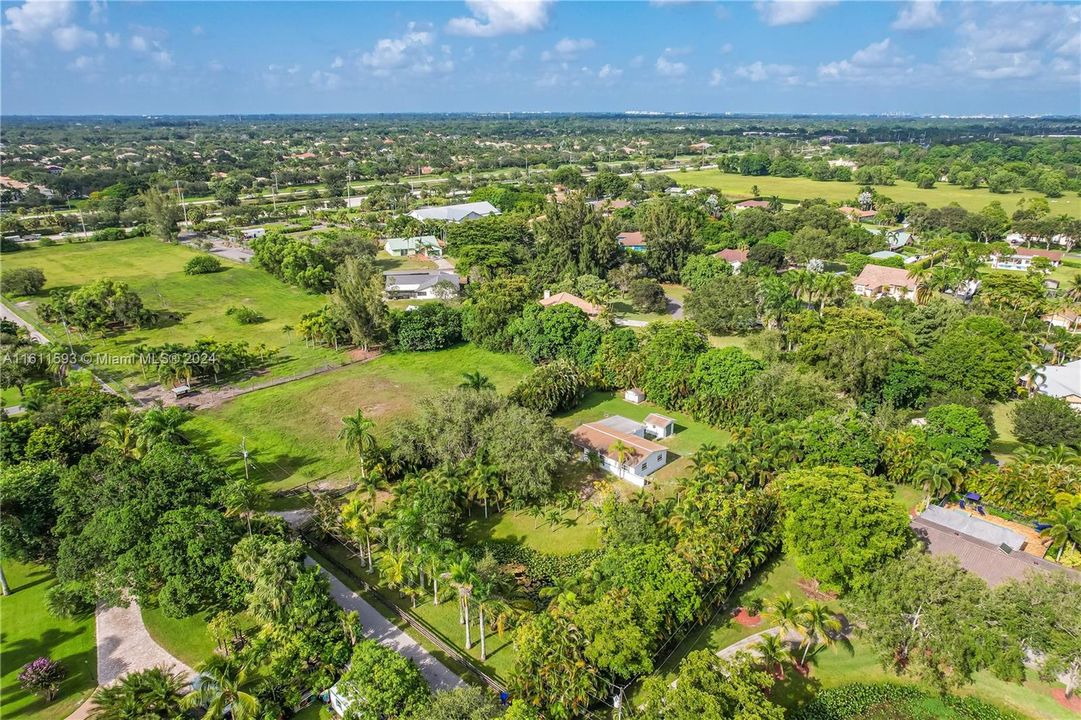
column 43, row 677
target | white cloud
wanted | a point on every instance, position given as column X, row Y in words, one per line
column 763, row 72
column 918, row 15
column 86, row 63
column 865, row 64
column 35, row 17
column 112, row 40
column 337, row 62
column 568, row 49
column 72, row 37
column 325, row 80
column 162, row 58
column 607, row 72
column 874, row 54
column 143, row 42
column 790, row 12
column 139, row 43
column 670, row 68
column 501, row 17
column 716, row 77
column 408, row 52
column 516, row 54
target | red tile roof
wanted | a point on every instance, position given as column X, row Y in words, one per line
column 879, row 276
column 753, row 204
column 631, row 239
column 732, row 255
column 600, row 438
column 1052, row 255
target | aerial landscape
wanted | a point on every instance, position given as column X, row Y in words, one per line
column 540, row 360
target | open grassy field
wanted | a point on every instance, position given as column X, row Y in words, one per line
column 186, row 639
column 575, row 533
column 28, row 632
column 155, row 271
column 292, row 429
column 799, row 188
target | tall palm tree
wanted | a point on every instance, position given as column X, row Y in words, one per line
column 222, row 691
column 357, row 433
column 922, row 277
column 784, row 612
column 463, row 576
column 119, row 431
column 243, row 498
column 939, row 473
column 358, row 520
column 161, row 423
column 392, row 569
column 476, row 381
column 771, row 649
column 819, row 626
column 622, row 451
column 831, row 288
column 1073, row 289
column 152, row 694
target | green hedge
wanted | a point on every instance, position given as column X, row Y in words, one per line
column 886, row 700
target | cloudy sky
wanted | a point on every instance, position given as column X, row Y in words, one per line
column 815, row 56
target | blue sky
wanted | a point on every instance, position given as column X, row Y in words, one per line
column 815, row 56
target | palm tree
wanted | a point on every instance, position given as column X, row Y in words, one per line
column 358, row 521
column 1065, row 528
column 243, row 498
column 476, row 381
column 622, row 451
column 392, row 566
column 1073, row 290
column 802, row 283
column 818, row 625
column 221, row 691
column 463, row 576
column 784, row 612
column 161, row 424
column 771, row 649
column 831, row 288
column 939, row 473
column 119, row 431
column 357, row 433
column 152, row 694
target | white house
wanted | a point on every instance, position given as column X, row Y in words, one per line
column 455, row 213
column 1022, row 258
column 876, row 281
column 660, row 426
column 641, row 457
column 252, row 233
column 422, row 284
column 1064, row 382
column 733, row 256
column 1064, row 318
column 426, row 244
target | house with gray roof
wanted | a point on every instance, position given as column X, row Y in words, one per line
column 421, row 284
column 422, row 244
column 455, row 213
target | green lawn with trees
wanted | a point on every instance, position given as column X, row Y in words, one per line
column 291, row 430
column 800, row 188
column 196, row 305
column 186, row 638
column 29, row 632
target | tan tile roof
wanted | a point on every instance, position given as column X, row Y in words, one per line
column 631, row 239
column 559, row 298
column 655, row 419
column 732, row 255
column 878, row 276
column 600, row 438
column 753, row 204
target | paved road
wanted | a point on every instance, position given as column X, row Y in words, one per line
column 8, row 314
column 675, row 308
column 378, row 628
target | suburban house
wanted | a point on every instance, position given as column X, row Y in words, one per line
column 1063, row 381
column 898, row 238
column 876, row 281
column 423, row 244
column 886, row 255
column 421, row 284
column 455, row 213
column 641, row 457
column 632, row 241
column 634, row 395
column 858, row 215
column 1067, row 319
column 252, row 233
column 733, row 257
column 761, row 204
column 1022, row 258
column 565, row 298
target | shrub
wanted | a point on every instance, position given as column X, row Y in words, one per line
column 244, row 314
column 108, row 235
column 1045, row 420
column 42, row 677
column 559, row 385
column 766, row 253
column 958, row 431
column 67, row 601
column 861, row 700
column 23, row 281
column 432, row 326
column 202, row 265
column 647, row 296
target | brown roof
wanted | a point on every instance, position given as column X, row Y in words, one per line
column 753, row 203
column 600, row 438
column 612, row 203
column 981, row 558
column 1053, row 255
column 631, row 239
column 878, row 276
column 655, row 419
column 856, row 212
column 560, row 298
column 732, row 255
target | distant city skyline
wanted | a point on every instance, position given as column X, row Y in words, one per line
column 811, row 56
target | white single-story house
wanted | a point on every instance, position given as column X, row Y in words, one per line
column 1022, row 258
column 424, row 284
column 876, row 281
column 1063, row 382
column 746, row 204
column 455, row 213
column 858, row 214
column 634, row 395
column 641, row 457
column 659, row 426
column 252, row 233
column 425, row 244
column 1065, row 318
column 898, row 238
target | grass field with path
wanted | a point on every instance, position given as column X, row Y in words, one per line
column 155, row 270
column 186, row 639
column 799, row 188
column 292, row 429
column 28, row 632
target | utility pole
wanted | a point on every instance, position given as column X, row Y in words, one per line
column 275, row 196
column 180, row 194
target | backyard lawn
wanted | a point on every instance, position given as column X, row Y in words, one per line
column 186, row 639
column 576, row 532
column 292, row 430
column 155, row 271
column 28, row 632
column 798, row 188
column 1006, row 444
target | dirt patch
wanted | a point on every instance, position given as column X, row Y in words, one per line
column 1072, row 703
column 745, row 619
column 814, row 591
column 360, row 354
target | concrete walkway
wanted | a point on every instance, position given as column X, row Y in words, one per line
column 377, row 627
column 125, row 646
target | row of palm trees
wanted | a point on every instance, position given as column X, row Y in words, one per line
column 817, row 626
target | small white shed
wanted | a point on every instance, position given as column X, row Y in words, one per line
column 660, row 426
column 634, row 395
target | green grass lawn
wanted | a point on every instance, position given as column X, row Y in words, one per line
column 292, row 429
column 10, row 396
column 577, row 532
column 798, row 188
column 186, row 639
column 1006, row 444
column 28, row 632
column 386, row 262
column 622, row 308
column 315, row 711
column 155, row 271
